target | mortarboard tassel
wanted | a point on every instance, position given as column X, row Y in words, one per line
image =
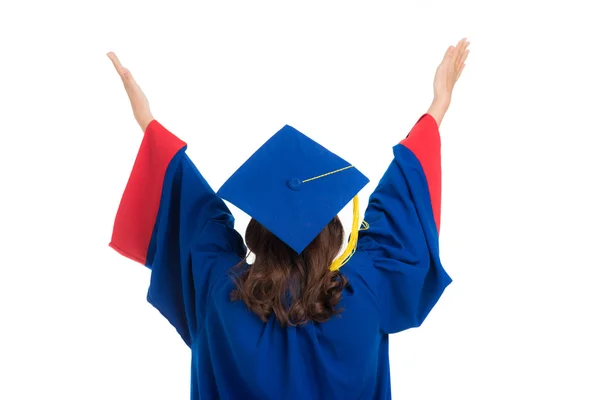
column 352, row 243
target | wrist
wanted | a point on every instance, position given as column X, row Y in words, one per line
column 438, row 109
column 441, row 101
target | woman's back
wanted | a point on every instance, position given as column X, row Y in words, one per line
column 238, row 356
column 291, row 325
column 394, row 277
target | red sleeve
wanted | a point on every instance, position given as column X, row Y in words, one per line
column 139, row 205
column 424, row 141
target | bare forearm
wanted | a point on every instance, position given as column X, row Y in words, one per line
column 438, row 109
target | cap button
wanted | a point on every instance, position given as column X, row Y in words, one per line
column 294, row 183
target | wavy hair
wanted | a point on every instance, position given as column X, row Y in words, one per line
column 296, row 288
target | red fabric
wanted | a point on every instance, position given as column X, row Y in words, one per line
column 424, row 141
column 139, row 205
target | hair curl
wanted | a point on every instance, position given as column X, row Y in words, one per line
column 296, row 288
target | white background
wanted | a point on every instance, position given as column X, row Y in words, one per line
column 520, row 200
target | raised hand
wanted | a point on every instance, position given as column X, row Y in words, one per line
column 449, row 70
column 137, row 98
column 446, row 75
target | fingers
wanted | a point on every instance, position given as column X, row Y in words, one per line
column 449, row 52
column 115, row 60
column 461, row 53
column 460, row 71
column 464, row 57
column 448, row 56
column 459, row 56
column 462, row 45
column 121, row 70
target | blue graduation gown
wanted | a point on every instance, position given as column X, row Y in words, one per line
column 170, row 220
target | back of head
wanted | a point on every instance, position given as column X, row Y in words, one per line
column 296, row 288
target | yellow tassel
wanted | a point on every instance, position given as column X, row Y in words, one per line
column 352, row 243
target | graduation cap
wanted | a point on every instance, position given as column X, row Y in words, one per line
column 294, row 187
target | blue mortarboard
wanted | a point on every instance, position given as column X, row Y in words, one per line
column 294, row 187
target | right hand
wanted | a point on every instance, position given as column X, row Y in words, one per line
column 137, row 98
column 449, row 71
column 446, row 75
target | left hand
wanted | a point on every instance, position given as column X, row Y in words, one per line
column 137, row 98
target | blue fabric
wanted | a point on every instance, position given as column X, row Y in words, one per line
column 187, row 206
column 402, row 241
column 268, row 187
column 395, row 279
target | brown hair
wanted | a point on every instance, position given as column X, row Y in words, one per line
column 297, row 288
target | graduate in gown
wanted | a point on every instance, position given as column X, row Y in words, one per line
column 300, row 322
